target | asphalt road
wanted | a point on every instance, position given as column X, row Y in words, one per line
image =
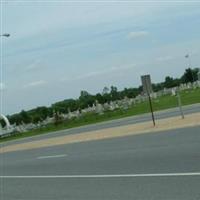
column 113, row 123
column 107, row 169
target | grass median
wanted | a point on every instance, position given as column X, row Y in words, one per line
column 188, row 97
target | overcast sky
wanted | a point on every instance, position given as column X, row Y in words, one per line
column 58, row 48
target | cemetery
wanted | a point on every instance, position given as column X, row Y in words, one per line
column 163, row 99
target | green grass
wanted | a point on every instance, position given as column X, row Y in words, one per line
column 164, row 102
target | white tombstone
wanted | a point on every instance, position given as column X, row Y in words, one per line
column 106, row 106
column 99, row 108
column 111, row 106
column 173, row 92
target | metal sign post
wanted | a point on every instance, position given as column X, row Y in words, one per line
column 180, row 104
column 147, row 88
column 151, row 107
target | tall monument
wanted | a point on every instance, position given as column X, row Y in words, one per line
column 7, row 127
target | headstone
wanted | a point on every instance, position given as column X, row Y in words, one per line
column 111, row 106
column 106, row 106
column 173, row 91
column 99, row 108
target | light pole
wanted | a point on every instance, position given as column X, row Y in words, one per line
column 187, row 56
column 5, row 35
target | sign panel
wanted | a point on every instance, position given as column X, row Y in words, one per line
column 147, row 89
column 146, row 84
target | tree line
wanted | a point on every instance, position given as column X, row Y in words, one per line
column 86, row 99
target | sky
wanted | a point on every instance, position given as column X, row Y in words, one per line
column 58, row 48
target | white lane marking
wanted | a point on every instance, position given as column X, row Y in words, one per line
column 53, row 156
column 105, row 176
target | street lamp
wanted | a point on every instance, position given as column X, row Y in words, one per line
column 187, row 56
column 5, row 35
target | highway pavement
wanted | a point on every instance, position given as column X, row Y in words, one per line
column 153, row 166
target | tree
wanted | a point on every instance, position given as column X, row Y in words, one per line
column 190, row 75
column 130, row 92
column 64, row 106
column 105, row 90
column 99, row 98
column 58, row 119
column 25, row 117
column 85, row 100
column 114, row 93
column 2, row 123
column 84, row 94
column 170, row 82
column 157, row 86
column 43, row 112
column 36, row 118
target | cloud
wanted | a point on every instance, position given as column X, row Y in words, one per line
column 33, row 65
column 93, row 74
column 137, row 34
column 35, row 83
column 2, row 86
column 164, row 58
